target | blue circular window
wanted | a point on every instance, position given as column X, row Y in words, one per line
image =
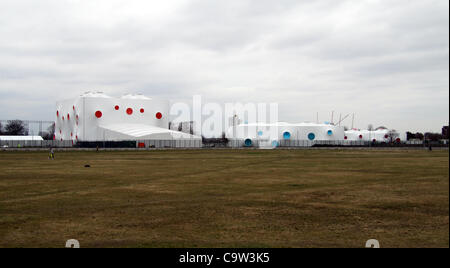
column 248, row 142
column 274, row 143
column 311, row 136
column 260, row 133
column 330, row 132
column 286, row 135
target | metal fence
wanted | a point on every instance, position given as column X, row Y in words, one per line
column 337, row 143
column 179, row 143
column 193, row 143
column 33, row 127
column 34, row 144
column 295, row 143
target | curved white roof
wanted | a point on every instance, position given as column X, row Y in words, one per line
column 141, row 131
column 98, row 94
column 21, row 138
column 135, row 97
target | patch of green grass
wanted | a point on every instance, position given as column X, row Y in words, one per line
column 225, row 198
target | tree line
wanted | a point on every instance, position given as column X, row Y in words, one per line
column 427, row 135
column 18, row 128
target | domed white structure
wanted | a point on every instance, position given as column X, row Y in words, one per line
column 378, row 136
column 274, row 134
column 95, row 116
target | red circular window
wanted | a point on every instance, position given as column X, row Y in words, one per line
column 398, row 139
column 73, row 107
column 158, row 115
column 98, row 114
column 142, row 110
column 63, row 118
column 345, row 137
column 57, row 113
column 54, row 137
column 374, row 140
column 360, row 136
column 76, row 137
column 68, row 116
column 116, row 107
column 129, row 111
column 386, row 136
column 71, row 134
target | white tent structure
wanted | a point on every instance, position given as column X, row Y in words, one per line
column 379, row 135
column 21, row 138
column 263, row 133
column 95, row 116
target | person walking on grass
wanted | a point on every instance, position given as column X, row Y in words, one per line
column 51, row 154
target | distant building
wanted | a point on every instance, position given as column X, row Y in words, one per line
column 379, row 135
column 273, row 133
column 21, row 138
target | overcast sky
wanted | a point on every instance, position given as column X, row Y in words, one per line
column 385, row 61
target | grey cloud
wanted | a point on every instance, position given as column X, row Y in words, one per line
column 383, row 60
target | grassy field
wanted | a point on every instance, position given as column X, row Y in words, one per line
column 225, row 198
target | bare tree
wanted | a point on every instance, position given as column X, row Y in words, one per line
column 15, row 128
column 419, row 136
column 393, row 135
column 48, row 135
column 51, row 129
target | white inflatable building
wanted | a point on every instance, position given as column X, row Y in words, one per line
column 98, row 117
column 378, row 136
column 260, row 133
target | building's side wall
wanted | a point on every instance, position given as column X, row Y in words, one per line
column 369, row 136
column 95, row 112
column 296, row 132
column 320, row 133
column 68, row 116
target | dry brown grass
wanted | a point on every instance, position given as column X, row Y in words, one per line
column 225, row 198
